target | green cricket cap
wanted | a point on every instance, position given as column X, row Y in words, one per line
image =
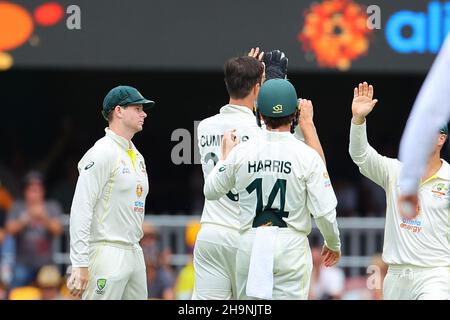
column 124, row 96
column 444, row 130
column 277, row 98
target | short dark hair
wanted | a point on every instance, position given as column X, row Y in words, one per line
column 274, row 123
column 241, row 75
column 111, row 113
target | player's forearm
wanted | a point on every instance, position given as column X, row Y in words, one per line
column 79, row 244
column 358, row 143
column 328, row 227
column 80, row 230
column 215, row 187
column 312, row 138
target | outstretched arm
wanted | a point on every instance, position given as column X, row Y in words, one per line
column 371, row 164
column 308, row 128
column 430, row 112
column 221, row 179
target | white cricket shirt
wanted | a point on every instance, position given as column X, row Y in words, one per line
column 225, row 210
column 423, row 241
column 109, row 200
column 279, row 172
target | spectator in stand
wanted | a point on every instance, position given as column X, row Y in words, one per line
column 34, row 222
column 49, row 282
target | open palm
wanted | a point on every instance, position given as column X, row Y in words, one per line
column 362, row 100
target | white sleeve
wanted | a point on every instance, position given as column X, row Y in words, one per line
column 371, row 164
column 430, row 112
column 328, row 227
column 320, row 195
column 95, row 170
column 221, row 179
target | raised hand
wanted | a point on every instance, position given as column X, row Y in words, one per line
column 254, row 52
column 362, row 103
column 229, row 141
column 306, row 112
column 276, row 65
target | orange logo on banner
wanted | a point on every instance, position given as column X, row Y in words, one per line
column 17, row 26
column 336, row 32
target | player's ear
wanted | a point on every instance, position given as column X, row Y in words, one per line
column 256, row 89
column 118, row 110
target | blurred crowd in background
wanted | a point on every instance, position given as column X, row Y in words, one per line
column 31, row 218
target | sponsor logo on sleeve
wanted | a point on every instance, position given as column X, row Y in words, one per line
column 90, row 165
column 327, row 181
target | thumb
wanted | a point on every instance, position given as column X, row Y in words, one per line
column 374, row 102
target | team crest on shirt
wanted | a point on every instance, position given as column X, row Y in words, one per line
column 101, row 284
column 139, row 190
column 440, row 191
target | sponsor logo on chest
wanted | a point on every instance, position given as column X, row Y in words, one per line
column 139, row 204
column 440, row 191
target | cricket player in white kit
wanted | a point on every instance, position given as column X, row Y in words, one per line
column 430, row 111
column 280, row 181
column 216, row 244
column 417, row 249
column 217, row 241
column 109, row 205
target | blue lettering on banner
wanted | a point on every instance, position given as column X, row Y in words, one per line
column 428, row 30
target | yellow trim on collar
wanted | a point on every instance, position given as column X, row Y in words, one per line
column 429, row 179
column 132, row 156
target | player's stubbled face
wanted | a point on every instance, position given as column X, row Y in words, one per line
column 134, row 116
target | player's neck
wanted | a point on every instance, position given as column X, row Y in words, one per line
column 248, row 102
column 283, row 128
column 433, row 166
column 121, row 131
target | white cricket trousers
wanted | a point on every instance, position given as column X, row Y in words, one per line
column 116, row 272
column 292, row 265
column 215, row 263
column 405, row 282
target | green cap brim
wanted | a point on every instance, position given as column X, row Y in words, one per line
column 146, row 104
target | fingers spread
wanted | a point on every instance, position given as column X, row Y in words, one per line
column 261, row 55
column 370, row 94
column 366, row 89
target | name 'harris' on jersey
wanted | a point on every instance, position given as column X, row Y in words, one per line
column 269, row 166
column 273, row 173
column 224, row 211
